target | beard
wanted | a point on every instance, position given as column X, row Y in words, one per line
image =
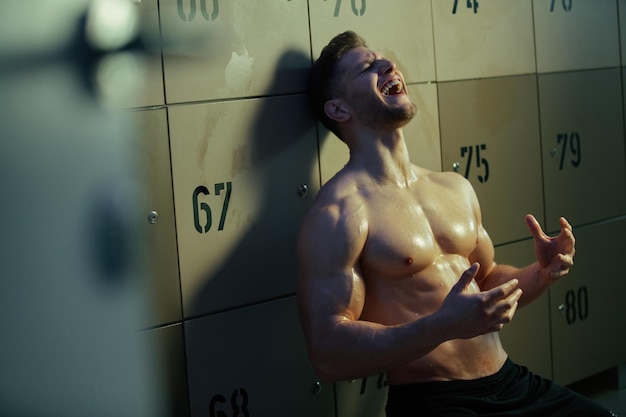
column 378, row 115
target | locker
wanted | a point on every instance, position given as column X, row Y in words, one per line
column 218, row 49
column 576, row 34
column 169, row 352
column 490, row 134
column 586, row 315
column 157, row 215
column 253, row 361
column 364, row 397
column 245, row 173
column 582, row 146
column 527, row 338
column 421, row 135
column 402, row 32
column 486, row 38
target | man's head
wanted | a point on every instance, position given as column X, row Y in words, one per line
column 323, row 80
column 350, row 83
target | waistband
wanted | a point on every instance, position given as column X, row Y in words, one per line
column 431, row 388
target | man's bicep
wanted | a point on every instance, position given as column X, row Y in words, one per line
column 329, row 282
column 484, row 254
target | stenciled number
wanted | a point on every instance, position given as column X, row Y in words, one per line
column 188, row 17
column 480, row 161
column 380, row 383
column 204, row 207
column 470, row 4
column 577, row 305
column 238, row 406
column 567, row 5
column 574, row 148
column 356, row 10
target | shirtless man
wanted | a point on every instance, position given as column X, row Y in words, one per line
column 397, row 273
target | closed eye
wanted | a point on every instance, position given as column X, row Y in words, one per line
column 367, row 67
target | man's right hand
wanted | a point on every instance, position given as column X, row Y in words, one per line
column 474, row 314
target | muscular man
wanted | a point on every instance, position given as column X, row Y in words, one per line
column 396, row 271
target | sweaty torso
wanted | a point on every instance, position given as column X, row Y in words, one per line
column 419, row 240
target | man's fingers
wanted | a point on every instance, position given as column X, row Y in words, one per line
column 534, row 227
column 565, row 224
column 502, row 291
column 467, row 277
column 509, row 303
column 567, row 261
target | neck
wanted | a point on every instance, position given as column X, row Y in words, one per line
column 384, row 156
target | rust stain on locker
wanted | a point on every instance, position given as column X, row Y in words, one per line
column 240, row 161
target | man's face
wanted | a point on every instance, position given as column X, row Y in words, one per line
column 374, row 89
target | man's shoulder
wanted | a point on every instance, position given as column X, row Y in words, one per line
column 338, row 197
column 341, row 188
column 337, row 215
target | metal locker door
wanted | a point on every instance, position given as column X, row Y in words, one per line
column 158, row 223
column 365, row 397
column 576, row 34
column 483, row 38
column 490, row 134
column 582, row 146
column 245, row 173
column 218, row 49
column 253, row 361
column 401, row 31
column 169, row 351
column 586, row 315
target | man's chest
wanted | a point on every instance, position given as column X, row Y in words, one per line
column 407, row 231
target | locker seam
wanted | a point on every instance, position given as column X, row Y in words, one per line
column 543, row 188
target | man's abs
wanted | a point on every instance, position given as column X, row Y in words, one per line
column 454, row 360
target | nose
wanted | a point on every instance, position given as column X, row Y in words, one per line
column 387, row 66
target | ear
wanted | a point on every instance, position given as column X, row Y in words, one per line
column 337, row 110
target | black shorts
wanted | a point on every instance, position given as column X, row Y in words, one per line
column 512, row 391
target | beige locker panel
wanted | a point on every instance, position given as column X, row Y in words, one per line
column 158, row 222
column 527, row 338
column 225, row 49
column 483, row 38
column 576, row 34
column 587, row 306
column 169, row 350
column 253, row 362
column 490, row 135
column 364, row 397
column 401, row 31
column 421, row 135
column 238, row 169
column 125, row 79
column 583, row 146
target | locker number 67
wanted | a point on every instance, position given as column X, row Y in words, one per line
column 201, row 206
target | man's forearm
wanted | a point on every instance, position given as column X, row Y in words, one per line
column 357, row 349
column 530, row 278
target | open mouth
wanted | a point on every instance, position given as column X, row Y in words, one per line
column 392, row 88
